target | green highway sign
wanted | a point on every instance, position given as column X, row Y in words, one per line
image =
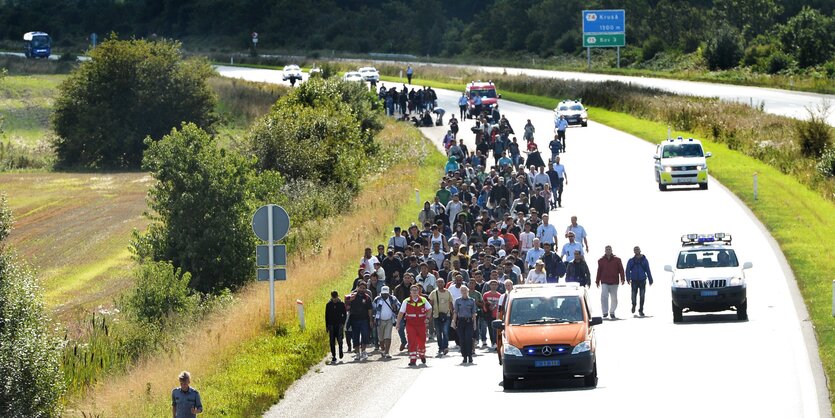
column 604, row 40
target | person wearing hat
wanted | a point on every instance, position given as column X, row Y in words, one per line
column 397, row 241
column 416, row 310
column 537, row 275
column 386, row 307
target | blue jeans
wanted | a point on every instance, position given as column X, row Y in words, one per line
column 482, row 329
column 401, row 330
column 361, row 332
column 442, row 331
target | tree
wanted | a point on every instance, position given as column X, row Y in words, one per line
column 201, row 205
column 751, row 17
column 724, row 48
column 127, row 91
column 31, row 383
column 807, row 37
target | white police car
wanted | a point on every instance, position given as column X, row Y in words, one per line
column 681, row 162
column 574, row 111
column 707, row 277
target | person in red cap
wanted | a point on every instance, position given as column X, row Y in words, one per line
column 417, row 310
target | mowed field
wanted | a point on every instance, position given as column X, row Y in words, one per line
column 74, row 228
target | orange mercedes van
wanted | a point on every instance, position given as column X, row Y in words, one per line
column 548, row 331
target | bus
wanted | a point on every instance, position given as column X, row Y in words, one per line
column 37, row 45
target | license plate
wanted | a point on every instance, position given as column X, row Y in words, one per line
column 710, row 292
column 682, row 180
column 546, row 363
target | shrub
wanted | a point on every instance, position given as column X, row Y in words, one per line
column 127, row 91
column 201, row 202
column 807, row 37
column 651, row 48
column 826, row 165
column 31, row 384
column 814, row 133
column 161, row 290
column 723, row 49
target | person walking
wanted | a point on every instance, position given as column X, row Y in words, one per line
column 578, row 271
column 442, row 301
column 563, row 179
column 360, row 308
column 570, row 248
column 409, row 73
column 546, row 232
column 462, row 105
column 386, row 307
column 185, row 400
column 491, row 306
column 637, row 274
column 401, row 293
column 335, row 315
column 481, row 319
column 529, row 131
column 555, row 146
column 554, row 267
column 537, row 275
column 609, row 275
column 464, row 317
column 561, row 125
column 416, row 309
column 579, row 232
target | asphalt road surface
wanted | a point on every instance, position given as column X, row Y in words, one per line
column 710, row 365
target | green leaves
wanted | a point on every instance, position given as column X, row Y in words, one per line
column 128, row 91
column 808, row 37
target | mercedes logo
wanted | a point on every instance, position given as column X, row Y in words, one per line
column 547, row 351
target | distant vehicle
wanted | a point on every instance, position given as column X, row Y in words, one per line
column 369, row 74
column 707, row 277
column 353, row 76
column 487, row 93
column 548, row 332
column 315, row 71
column 574, row 111
column 681, row 162
column 37, row 45
column 291, row 73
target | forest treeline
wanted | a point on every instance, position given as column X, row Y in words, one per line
column 767, row 35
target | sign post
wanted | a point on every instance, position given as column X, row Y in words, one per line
column 604, row 29
column 271, row 223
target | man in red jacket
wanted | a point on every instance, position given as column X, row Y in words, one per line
column 417, row 311
column 609, row 276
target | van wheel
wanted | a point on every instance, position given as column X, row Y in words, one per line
column 508, row 383
column 585, row 124
column 590, row 380
column 703, row 186
column 742, row 311
column 677, row 314
column 662, row 187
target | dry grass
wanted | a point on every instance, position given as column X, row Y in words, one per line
column 218, row 338
column 73, row 228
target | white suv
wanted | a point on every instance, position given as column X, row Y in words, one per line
column 707, row 277
column 291, row 72
column 681, row 162
column 369, row 74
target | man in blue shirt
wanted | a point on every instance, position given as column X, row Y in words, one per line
column 637, row 274
column 462, row 105
column 477, row 104
column 561, row 125
column 409, row 73
column 533, row 255
column 546, row 232
column 569, row 248
column 185, row 400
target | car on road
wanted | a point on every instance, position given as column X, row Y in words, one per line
column 353, row 76
column 708, row 277
column 679, row 162
column 547, row 332
column 369, row 74
column 574, row 111
column 291, row 73
column 487, row 93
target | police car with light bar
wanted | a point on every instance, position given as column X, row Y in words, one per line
column 573, row 111
column 707, row 277
column 681, row 162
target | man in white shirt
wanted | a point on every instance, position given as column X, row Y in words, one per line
column 526, row 239
column 386, row 308
column 425, row 279
column 437, row 254
column 457, row 285
column 546, row 232
column 368, row 262
column 579, row 232
column 568, row 249
column 541, row 178
column 453, row 208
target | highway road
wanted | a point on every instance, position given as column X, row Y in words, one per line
column 711, row 365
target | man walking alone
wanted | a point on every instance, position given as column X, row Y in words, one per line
column 609, row 276
column 637, row 274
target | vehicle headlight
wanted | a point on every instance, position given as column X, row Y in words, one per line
column 668, row 169
column 699, row 167
column 510, row 350
column 582, row 347
column 737, row 281
column 680, row 283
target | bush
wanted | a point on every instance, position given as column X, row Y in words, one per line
column 724, row 48
column 814, row 133
column 161, row 290
column 807, row 37
column 777, row 62
column 31, row 384
column 201, row 202
column 127, row 91
column 651, row 48
column 826, row 165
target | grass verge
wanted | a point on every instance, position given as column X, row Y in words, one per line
column 241, row 365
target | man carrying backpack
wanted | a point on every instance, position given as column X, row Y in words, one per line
column 386, row 307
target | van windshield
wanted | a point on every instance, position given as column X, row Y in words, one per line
column 682, row 150
column 542, row 310
column 488, row 93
